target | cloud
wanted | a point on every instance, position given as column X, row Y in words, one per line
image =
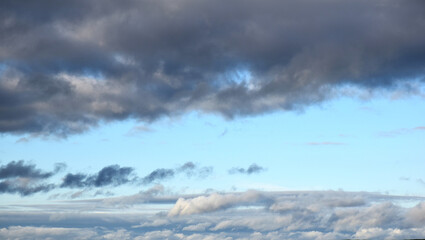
column 24, row 187
column 212, row 203
column 138, row 130
column 25, row 179
column 253, row 168
column 190, row 169
column 401, row 131
column 158, row 174
column 298, row 215
column 20, row 169
column 113, row 175
column 68, row 66
column 25, row 232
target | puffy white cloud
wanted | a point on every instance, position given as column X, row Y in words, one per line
column 213, row 202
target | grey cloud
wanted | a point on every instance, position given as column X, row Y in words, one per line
column 23, row 187
column 158, row 174
column 74, row 180
column 187, row 166
column 190, row 169
column 253, row 168
column 113, row 175
column 25, row 179
column 67, row 66
column 20, row 169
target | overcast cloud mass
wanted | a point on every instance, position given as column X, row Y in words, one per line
column 68, row 66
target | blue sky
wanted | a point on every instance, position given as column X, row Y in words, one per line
column 338, row 145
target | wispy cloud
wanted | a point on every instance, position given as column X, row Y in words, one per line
column 401, row 131
column 138, row 130
column 189, row 169
column 325, row 143
column 253, row 168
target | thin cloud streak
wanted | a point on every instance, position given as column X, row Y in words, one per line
column 253, row 168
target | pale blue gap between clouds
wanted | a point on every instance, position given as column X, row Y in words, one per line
column 341, row 144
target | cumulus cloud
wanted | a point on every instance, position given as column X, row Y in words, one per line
column 213, row 202
column 253, row 168
column 67, row 66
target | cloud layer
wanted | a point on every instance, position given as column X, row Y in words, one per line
column 231, row 215
column 67, row 66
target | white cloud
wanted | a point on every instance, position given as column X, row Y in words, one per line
column 197, row 227
column 213, row 202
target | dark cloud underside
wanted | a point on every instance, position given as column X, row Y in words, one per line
column 22, row 169
column 111, row 175
column 65, row 66
column 24, row 178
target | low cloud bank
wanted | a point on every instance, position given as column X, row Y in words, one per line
column 233, row 215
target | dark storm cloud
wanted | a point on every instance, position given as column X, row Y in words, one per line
column 66, row 66
column 253, row 168
column 111, row 175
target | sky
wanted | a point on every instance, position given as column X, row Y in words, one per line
column 184, row 119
